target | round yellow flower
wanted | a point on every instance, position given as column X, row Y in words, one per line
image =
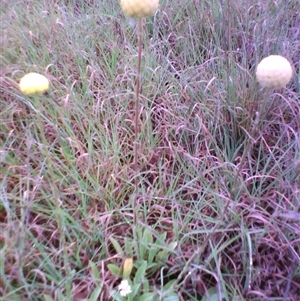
column 32, row 83
column 139, row 8
column 274, row 71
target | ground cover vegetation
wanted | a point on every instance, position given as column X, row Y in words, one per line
column 210, row 139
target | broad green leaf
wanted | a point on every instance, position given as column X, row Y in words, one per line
column 116, row 245
column 172, row 296
column 153, row 266
column 114, row 269
column 173, row 245
column 116, row 296
column 135, row 289
column 146, row 239
column 147, row 236
column 152, row 252
column 129, row 247
column 146, row 286
column 95, row 271
column 147, row 297
column 140, row 273
column 96, row 293
column 163, row 255
column 142, row 250
column 60, row 296
column 163, row 236
column 169, row 284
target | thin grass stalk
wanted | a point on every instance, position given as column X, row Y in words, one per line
column 136, row 123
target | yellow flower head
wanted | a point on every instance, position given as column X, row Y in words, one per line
column 127, row 268
column 139, row 8
column 32, row 83
column 274, row 71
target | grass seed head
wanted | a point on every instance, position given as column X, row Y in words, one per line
column 33, row 83
column 139, row 8
column 274, row 71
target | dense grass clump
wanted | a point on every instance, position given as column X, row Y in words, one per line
column 210, row 139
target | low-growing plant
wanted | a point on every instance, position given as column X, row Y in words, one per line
column 147, row 258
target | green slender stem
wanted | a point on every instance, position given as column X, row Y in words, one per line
column 136, row 124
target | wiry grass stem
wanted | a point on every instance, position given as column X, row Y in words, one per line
column 136, row 123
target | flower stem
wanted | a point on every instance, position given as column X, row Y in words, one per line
column 136, row 123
